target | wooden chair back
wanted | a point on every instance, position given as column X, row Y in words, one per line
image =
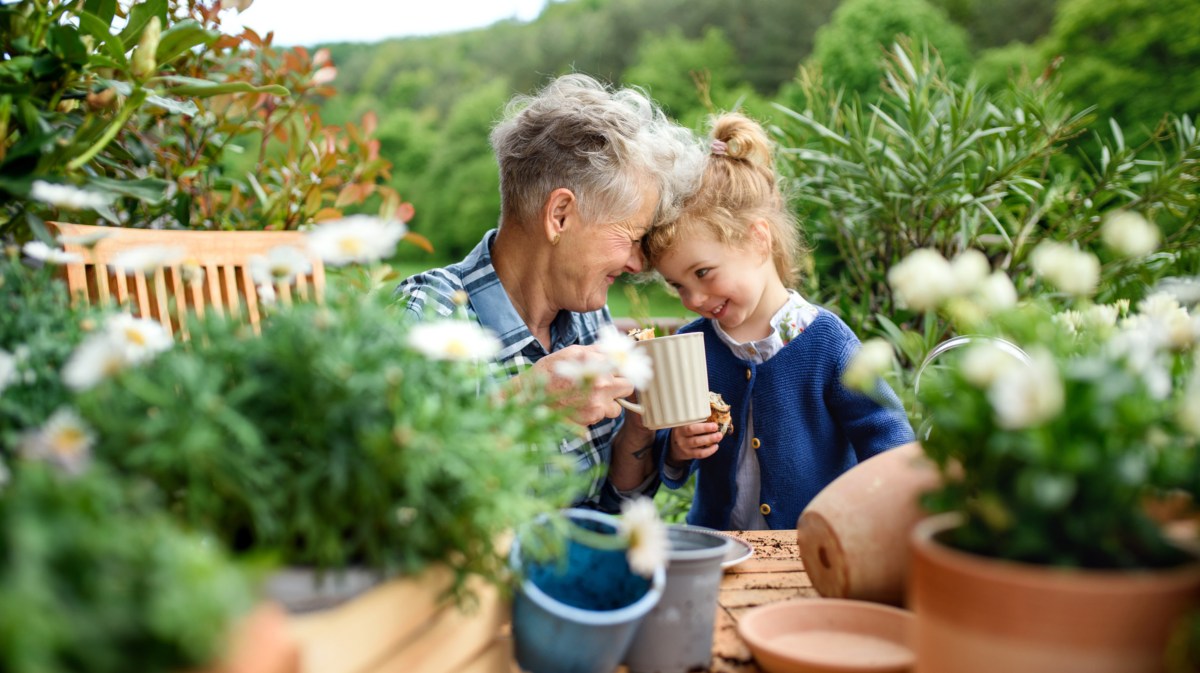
column 167, row 294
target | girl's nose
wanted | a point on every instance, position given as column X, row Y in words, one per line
column 692, row 300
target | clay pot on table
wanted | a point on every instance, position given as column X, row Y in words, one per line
column 854, row 534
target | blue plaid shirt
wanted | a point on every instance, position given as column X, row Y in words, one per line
column 490, row 305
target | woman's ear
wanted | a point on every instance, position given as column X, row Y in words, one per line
column 558, row 213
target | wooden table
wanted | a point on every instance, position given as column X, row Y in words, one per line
column 435, row 638
column 773, row 574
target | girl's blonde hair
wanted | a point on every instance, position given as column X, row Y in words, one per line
column 739, row 187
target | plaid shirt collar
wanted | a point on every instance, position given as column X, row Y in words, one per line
column 495, row 311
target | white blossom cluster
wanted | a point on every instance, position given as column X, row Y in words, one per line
column 925, row 281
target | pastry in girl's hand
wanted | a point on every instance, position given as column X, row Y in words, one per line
column 720, row 413
column 642, row 333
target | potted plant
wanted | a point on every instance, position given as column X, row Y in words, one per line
column 587, row 580
column 347, row 440
column 97, row 578
column 1050, row 559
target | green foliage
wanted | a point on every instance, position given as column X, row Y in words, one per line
column 1051, row 460
column 1135, row 60
column 996, row 67
column 97, row 580
column 850, row 49
column 329, row 440
column 996, row 24
column 39, row 327
column 947, row 166
column 671, row 67
column 141, row 108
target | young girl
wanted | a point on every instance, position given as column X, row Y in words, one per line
column 777, row 359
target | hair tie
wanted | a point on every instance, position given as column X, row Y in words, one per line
column 719, row 147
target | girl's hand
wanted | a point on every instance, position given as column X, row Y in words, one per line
column 693, row 442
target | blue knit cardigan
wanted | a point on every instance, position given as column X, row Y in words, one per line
column 809, row 426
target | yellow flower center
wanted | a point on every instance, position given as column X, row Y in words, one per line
column 67, row 442
column 351, row 245
column 135, row 336
column 455, row 348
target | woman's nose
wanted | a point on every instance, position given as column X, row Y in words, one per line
column 636, row 263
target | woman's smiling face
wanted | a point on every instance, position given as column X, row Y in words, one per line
column 591, row 257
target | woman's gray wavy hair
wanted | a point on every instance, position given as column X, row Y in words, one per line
column 597, row 141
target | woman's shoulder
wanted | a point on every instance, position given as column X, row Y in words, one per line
column 431, row 290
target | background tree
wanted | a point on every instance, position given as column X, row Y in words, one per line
column 1135, row 60
column 850, row 48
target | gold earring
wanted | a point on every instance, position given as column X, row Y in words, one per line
column 554, row 239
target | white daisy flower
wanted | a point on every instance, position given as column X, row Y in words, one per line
column 358, row 239
column 8, row 369
column 647, row 536
column 140, row 339
column 1073, row 271
column 124, row 341
column 281, row 264
column 871, row 362
column 95, row 359
column 583, row 370
column 454, row 340
column 65, row 440
column 1129, row 234
column 1026, row 396
column 191, row 271
column 266, row 294
column 624, row 358
column 44, row 253
column 66, row 196
column 147, row 258
column 922, row 280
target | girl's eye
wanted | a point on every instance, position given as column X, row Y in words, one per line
column 700, row 273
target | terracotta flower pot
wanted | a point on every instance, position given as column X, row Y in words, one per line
column 853, row 536
column 987, row 615
column 261, row 643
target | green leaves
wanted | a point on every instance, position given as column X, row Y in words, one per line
column 181, row 37
column 139, row 17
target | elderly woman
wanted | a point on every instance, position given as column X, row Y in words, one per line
column 585, row 171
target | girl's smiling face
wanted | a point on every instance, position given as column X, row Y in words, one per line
column 736, row 286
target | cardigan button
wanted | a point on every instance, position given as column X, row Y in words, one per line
column 747, row 373
column 754, row 443
column 765, row 509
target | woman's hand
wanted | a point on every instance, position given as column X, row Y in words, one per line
column 592, row 401
column 693, row 442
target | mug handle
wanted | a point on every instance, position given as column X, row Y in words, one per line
column 632, row 406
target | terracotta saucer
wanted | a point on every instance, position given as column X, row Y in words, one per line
column 827, row 635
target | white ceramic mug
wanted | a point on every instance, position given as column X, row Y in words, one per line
column 678, row 392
